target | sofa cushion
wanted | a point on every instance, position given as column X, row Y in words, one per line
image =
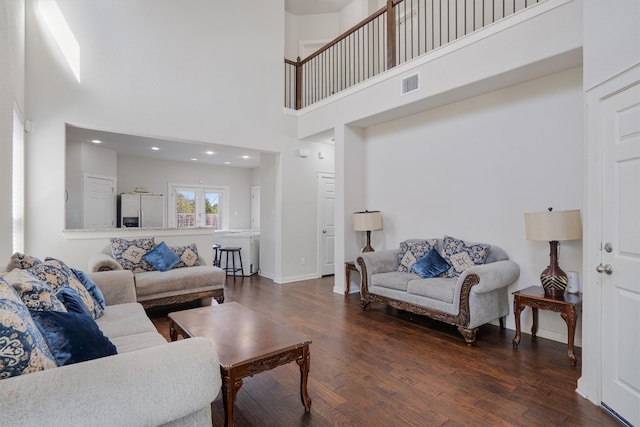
column 462, row 255
column 437, row 288
column 129, row 253
column 161, row 257
column 127, row 343
column 35, row 294
column 22, row 347
column 21, row 261
column 72, row 337
column 124, row 319
column 392, row 280
column 430, row 265
column 188, row 255
column 411, row 250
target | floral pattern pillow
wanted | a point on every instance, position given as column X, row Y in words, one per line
column 411, row 251
column 19, row 260
column 188, row 255
column 24, row 349
column 35, row 294
column 129, row 253
column 462, row 255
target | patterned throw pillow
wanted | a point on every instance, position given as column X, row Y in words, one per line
column 129, row 253
column 21, row 261
column 411, row 251
column 58, row 275
column 23, row 349
column 35, row 294
column 188, row 255
column 462, row 255
column 53, row 272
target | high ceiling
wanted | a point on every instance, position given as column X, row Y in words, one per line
column 314, row 7
column 177, row 151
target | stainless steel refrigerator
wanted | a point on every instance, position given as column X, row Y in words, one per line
column 140, row 210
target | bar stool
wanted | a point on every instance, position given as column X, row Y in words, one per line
column 216, row 254
column 231, row 251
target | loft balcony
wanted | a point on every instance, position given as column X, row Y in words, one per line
column 399, row 33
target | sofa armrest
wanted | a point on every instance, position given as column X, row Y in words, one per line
column 148, row 387
column 378, row 262
column 118, row 286
column 103, row 262
column 492, row 276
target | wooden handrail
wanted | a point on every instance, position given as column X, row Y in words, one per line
column 351, row 30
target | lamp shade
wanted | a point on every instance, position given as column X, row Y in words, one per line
column 367, row 221
column 553, row 225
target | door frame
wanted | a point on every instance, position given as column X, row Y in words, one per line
column 590, row 383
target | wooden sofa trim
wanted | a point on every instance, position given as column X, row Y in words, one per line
column 461, row 320
column 217, row 294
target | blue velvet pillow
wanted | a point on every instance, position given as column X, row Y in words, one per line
column 162, row 258
column 72, row 337
column 90, row 286
column 72, row 301
column 430, row 265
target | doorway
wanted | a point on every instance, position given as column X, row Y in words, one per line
column 326, row 223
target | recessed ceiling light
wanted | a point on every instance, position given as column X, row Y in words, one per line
column 155, row 148
column 96, row 141
column 227, row 163
column 245, row 157
column 210, row 153
column 194, row 159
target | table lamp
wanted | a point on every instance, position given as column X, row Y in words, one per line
column 553, row 226
column 367, row 221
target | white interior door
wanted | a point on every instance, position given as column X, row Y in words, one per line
column 98, row 201
column 620, row 267
column 326, row 222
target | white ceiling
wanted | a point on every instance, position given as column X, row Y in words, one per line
column 178, row 151
column 314, row 7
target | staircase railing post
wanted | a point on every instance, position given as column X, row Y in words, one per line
column 298, row 84
column 391, row 35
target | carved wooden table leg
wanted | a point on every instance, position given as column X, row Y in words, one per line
column 517, row 309
column 534, row 325
column 230, row 387
column 570, row 316
column 304, row 364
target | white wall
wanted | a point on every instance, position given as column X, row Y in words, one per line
column 155, row 175
column 471, row 169
column 12, row 93
column 191, row 70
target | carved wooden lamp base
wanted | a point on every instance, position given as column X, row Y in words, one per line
column 554, row 280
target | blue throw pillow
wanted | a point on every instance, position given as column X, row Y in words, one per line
column 72, row 301
column 90, row 286
column 430, row 265
column 72, row 337
column 162, row 258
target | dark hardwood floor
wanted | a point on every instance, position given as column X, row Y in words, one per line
column 383, row 367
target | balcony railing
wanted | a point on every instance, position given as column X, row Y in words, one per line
column 397, row 33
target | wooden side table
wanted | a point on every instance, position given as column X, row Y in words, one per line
column 535, row 298
column 349, row 266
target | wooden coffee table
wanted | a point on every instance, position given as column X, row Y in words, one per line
column 247, row 344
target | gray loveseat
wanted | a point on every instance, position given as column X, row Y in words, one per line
column 178, row 285
column 148, row 383
column 477, row 296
